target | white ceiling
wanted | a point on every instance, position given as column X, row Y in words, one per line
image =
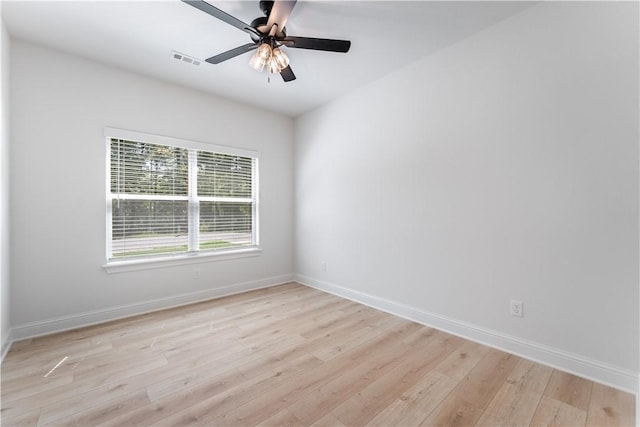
column 140, row 36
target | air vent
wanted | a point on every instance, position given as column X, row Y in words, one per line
column 185, row 58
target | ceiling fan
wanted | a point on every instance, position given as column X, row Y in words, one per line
column 268, row 35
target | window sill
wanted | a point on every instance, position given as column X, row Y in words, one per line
column 172, row 261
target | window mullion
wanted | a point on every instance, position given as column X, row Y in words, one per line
column 194, row 204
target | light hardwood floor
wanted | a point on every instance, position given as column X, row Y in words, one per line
column 288, row 355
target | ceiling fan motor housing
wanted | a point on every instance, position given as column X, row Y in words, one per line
column 259, row 22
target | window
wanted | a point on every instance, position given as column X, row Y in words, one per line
column 168, row 197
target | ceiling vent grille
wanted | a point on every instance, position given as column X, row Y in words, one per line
column 185, row 58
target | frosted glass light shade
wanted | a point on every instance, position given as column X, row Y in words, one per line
column 279, row 59
column 261, row 58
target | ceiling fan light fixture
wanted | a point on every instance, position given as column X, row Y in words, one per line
column 279, row 59
column 273, row 67
column 257, row 63
column 261, row 58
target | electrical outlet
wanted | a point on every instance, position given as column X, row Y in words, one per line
column 324, row 266
column 196, row 273
column 516, row 308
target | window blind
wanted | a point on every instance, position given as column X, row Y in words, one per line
column 170, row 200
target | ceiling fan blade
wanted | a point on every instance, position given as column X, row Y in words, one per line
column 221, row 15
column 329, row 45
column 287, row 74
column 279, row 15
column 216, row 59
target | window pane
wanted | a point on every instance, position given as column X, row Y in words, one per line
column 143, row 168
column 225, row 225
column 224, row 175
column 148, row 227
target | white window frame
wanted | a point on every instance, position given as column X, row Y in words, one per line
column 192, row 255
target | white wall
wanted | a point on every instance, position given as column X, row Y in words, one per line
column 5, row 332
column 504, row 167
column 59, row 106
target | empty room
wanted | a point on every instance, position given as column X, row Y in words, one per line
column 319, row 212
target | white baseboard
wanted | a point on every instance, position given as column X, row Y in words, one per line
column 576, row 364
column 59, row 324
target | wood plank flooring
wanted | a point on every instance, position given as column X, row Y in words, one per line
column 288, row 356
